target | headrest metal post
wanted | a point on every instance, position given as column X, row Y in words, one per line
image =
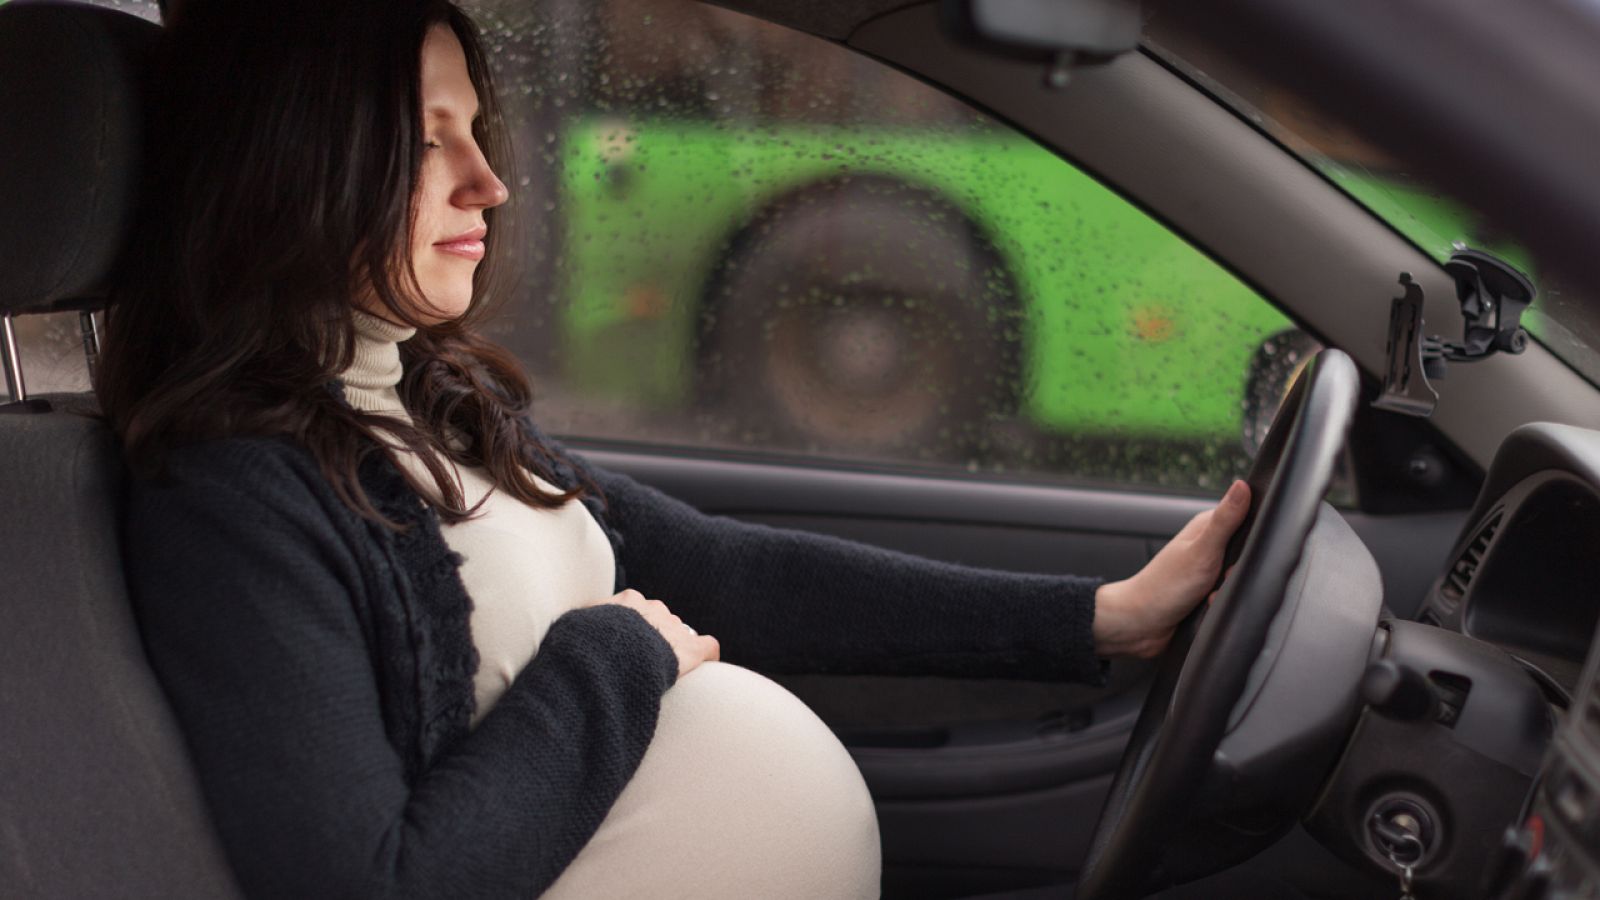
column 11, row 358
column 91, row 340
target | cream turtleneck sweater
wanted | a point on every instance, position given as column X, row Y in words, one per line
column 524, row 566
column 743, row 791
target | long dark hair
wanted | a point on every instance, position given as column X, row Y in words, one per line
column 285, row 145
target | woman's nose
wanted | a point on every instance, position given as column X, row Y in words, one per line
column 481, row 188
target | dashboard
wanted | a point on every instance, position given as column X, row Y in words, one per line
column 1525, row 578
column 1554, row 852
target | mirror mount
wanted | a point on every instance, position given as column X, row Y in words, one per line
column 1063, row 34
column 1492, row 295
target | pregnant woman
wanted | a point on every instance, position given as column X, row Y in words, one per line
column 416, row 648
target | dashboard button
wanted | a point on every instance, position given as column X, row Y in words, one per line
column 1572, row 799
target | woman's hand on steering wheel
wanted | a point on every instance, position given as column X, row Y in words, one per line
column 1137, row 616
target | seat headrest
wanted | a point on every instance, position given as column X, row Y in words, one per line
column 69, row 163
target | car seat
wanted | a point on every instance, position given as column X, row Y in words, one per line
column 97, row 794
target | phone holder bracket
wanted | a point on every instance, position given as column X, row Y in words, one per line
column 1492, row 296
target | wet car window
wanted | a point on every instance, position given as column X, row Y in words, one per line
column 753, row 240
column 51, row 348
column 735, row 237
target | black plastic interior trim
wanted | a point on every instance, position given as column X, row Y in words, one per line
column 724, row 487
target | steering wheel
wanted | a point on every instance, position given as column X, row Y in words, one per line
column 1206, row 666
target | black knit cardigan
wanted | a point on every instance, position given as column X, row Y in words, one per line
column 321, row 665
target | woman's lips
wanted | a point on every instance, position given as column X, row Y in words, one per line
column 466, row 246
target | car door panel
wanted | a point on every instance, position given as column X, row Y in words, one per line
column 1009, row 526
column 1043, row 833
column 750, row 490
column 990, row 545
column 1021, row 527
column 1030, row 761
column 983, row 784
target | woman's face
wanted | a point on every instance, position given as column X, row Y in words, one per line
column 455, row 185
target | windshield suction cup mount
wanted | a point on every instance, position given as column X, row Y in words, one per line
column 1492, row 295
column 1065, row 35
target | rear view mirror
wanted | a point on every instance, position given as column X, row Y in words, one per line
column 1064, row 33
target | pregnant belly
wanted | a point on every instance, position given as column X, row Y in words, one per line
column 742, row 793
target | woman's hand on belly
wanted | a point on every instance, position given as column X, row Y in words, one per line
column 691, row 647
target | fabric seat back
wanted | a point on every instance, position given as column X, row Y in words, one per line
column 97, row 798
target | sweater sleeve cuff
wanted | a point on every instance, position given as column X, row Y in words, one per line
column 612, row 631
column 1077, row 634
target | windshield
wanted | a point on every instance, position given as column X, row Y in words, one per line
column 1562, row 319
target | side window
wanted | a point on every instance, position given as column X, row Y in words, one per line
column 762, row 242
column 51, row 352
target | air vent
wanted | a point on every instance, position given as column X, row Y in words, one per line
column 1466, row 565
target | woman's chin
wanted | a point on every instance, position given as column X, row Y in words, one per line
column 437, row 310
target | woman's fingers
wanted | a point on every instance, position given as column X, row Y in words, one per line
column 1136, row 617
column 1204, row 541
column 711, row 647
column 1225, row 576
column 691, row 647
column 1226, row 517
